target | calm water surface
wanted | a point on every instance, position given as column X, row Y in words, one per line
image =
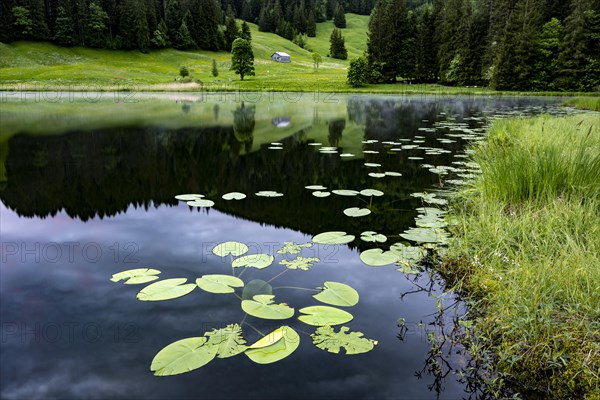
column 87, row 188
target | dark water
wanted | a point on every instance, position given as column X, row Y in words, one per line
column 87, row 190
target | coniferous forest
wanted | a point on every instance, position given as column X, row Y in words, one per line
column 505, row 44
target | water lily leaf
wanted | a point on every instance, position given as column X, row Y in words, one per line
column 376, row 175
column 136, row 276
column 371, row 192
column 415, row 158
column 201, row 203
column 430, row 221
column 303, row 263
column 234, row 196
column 315, row 187
column 372, row 165
column 321, row 194
column 219, row 283
column 256, row 287
column 370, row 151
column 345, row 192
column 183, row 356
column 259, row 261
column 407, row 255
column 274, row 346
column 334, row 237
column 326, row 338
column 391, row 173
column 315, row 144
column 227, row 248
column 378, row 257
column 229, row 340
column 276, row 144
column 268, row 193
column 189, row 197
column 357, row 212
column 293, row 248
column 337, row 294
column 324, row 315
column 262, row 306
column 425, row 235
column 166, row 290
column 274, row 148
column 371, row 236
column 346, row 155
column 370, row 141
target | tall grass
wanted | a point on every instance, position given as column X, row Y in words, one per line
column 586, row 103
column 527, row 252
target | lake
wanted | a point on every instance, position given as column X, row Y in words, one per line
column 87, row 188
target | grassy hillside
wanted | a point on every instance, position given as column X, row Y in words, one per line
column 33, row 63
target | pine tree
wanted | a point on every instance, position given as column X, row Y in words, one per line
column 63, row 28
column 376, row 43
column 546, row 55
column 214, row 71
column 231, row 30
column 425, row 51
column 96, row 26
column 183, row 39
column 242, row 58
column 245, row 33
column 22, row 23
column 160, row 37
column 174, row 17
column 337, row 47
column 311, row 25
column 339, row 17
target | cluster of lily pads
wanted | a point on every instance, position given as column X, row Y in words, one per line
column 257, row 300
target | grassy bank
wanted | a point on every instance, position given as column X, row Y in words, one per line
column 585, row 103
column 527, row 253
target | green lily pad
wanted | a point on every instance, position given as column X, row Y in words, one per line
column 357, row 212
column 392, row 173
column 376, row 175
column 303, row 263
column 219, row 283
column 334, row 237
column 324, row 315
column 259, row 261
column 337, row 294
column 201, row 203
column 371, row 192
column 293, row 248
column 346, row 155
column 425, row 235
column 166, row 290
column 183, row 356
column 229, row 340
column 315, row 187
column 274, row 346
column 227, row 248
column 372, row 236
column 345, row 192
column 325, row 338
column 262, row 306
column 268, row 193
column 136, row 276
column 372, row 165
column 234, row 196
column 370, row 152
column 378, row 257
column 407, row 255
column 256, row 287
column 321, row 194
column 189, row 197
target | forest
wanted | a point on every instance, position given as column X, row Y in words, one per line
column 550, row 45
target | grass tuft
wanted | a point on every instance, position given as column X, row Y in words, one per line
column 527, row 250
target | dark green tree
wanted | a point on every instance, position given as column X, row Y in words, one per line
column 231, row 30
column 311, row 25
column 134, row 26
column 63, row 28
column 174, row 17
column 547, row 50
column 337, row 45
column 425, row 50
column 96, row 28
column 183, row 39
column 160, row 37
column 214, row 71
column 242, row 58
column 245, row 33
column 358, row 72
column 339, row 17
column 22, row 23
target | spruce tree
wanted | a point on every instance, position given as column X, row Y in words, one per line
column 22, row 23
column 339, row 17
column 231, row 30
column 63, row 28
column 183, row 39
column 96, row 26
column 245, row 33
column 214, row 71
column 337, row 47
